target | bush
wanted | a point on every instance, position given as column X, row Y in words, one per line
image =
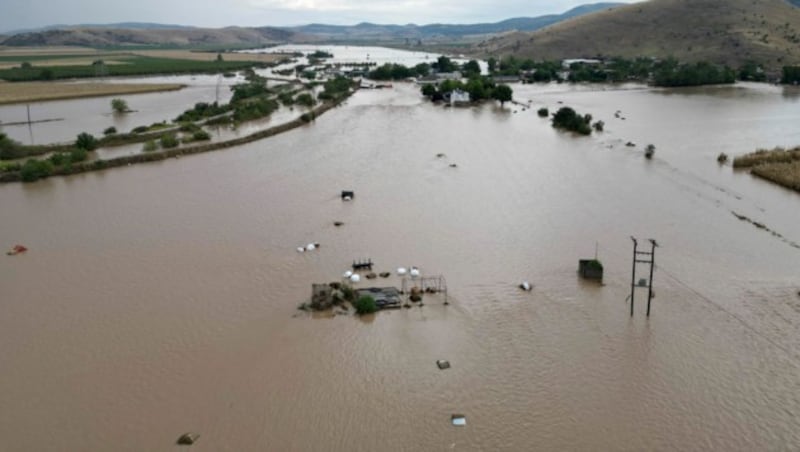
column 568, row 119
column 201, row 135
column 348, row 293
column 543, row 112
column 10, row 149
column 78, row 155
column 599, row 126
column 140, row 129
column 36, row 169
column 110, row 131
column 119, row 106
column 365, row 305
column 169, row 140
column 86, row 141
column 150, row 146
column 305, row 99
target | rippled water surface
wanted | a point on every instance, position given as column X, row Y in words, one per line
column 161, row 298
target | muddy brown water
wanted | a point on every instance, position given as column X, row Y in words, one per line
column 161, row 298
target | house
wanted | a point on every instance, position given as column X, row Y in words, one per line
column 566, row 64
column 459, row 97
column 448, row 75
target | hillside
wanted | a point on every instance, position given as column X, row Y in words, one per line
column 722, row 31
column 437, row 31
column 105, row 37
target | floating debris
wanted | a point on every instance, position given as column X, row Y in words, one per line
column 443, row 364
column 649, row 151
column 338, row 223
column 630, row 144
column 17, row 249
column 371, row 275
column 187, row 439
column 440, row 155
column 453, row 165
column 348, row 195
column 722, row 157
column 459, row 420
column 385, row 274
column 526, row 286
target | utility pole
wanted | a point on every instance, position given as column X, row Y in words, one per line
column 643, row 257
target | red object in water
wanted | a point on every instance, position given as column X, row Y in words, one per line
column 16, row 250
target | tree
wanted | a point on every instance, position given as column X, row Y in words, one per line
column 86, row 141
column 492, row 64
column 365, row 305
column 471, row 69
column 428, row 90
column 119, row 106
column 219, row 57
column 25, row 65
column 444, row 64
column 568, row 119
column 503, row 93
column 10, row 149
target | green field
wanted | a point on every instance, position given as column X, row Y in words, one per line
column 135, row 65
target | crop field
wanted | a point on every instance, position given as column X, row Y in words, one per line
column 38, row 91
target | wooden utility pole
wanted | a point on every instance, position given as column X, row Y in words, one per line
column 643, row 257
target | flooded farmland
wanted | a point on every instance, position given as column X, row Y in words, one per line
column 162, row 298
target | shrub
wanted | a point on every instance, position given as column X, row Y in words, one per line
column 305, row 99
column 10, row 149
column 150, row 146
column 543, row 112
column 365, row 305
column 568, row 119
column 140, row 129
column 78, row 155
column 169, row 140
column 86, row 141
column 348, row 293
column 36, row 169
column 201, row 135
column 110, row 131
column 119, row 105
column 599, row 126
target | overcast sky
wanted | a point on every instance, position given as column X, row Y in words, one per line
column 20, row 14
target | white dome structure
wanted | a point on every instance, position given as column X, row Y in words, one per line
column 300, row 249
column 310, row 247
column 355, row 278
column 401, row 271
column 348, row 274
column 414, row 272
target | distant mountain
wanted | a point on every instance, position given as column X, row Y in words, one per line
column 121, row 25
column 367, row 30
column 154, row 35
column 721, row 31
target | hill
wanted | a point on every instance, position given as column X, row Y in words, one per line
column 372, row 31
column 112, row 37
column 721, row 31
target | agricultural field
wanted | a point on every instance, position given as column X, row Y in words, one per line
column 37, row 91
column 17, row 65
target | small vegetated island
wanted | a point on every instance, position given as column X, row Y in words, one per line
column 779, row 165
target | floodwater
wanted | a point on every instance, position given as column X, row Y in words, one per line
column 64, row 119
column 161, row 298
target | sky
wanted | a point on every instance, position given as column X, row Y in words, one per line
column 22, row 14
